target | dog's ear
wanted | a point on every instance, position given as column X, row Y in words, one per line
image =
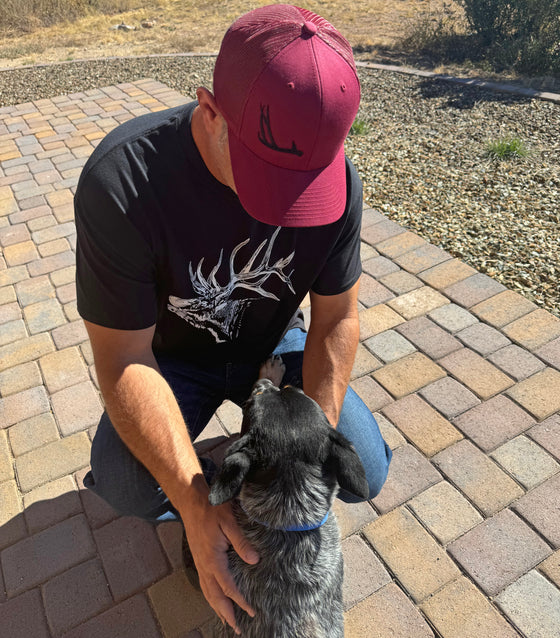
column 229, row 479
column 347, row 465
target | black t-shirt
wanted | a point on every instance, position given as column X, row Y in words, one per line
column 161, row 241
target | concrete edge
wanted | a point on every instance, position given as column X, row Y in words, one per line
column 483, row 84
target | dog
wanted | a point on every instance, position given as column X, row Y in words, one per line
column 282, row 476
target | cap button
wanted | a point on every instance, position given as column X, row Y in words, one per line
column 309, row 28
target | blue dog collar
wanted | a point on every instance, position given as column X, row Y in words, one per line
column 293, row 528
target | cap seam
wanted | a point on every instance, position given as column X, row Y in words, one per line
column 321, row 91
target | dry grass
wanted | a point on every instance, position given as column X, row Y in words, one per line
column 184, row 25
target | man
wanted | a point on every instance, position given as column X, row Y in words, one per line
column 200, row 231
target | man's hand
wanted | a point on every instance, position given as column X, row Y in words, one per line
column 211, row 531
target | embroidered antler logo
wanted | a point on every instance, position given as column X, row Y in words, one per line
column 266, row 137
column 214, row 309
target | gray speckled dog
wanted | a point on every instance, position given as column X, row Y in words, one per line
column 285, row 470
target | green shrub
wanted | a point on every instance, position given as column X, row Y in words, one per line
column 523, row 34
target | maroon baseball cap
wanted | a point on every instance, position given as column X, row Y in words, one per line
column 285, row 81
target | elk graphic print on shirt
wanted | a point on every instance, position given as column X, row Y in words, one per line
column 213, row 308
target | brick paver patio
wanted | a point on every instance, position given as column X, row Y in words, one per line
column 462, row 374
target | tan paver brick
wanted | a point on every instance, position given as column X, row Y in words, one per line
column 178, row 607
column 63, row 368
column 526, row 461
column 363, row 572
column 498, row 551
column 12, row 331
column 352, row 517
column 401, row 282
column 415, row 558
column 472, row 290
column 422, row 258
column 551, row 568
column 11, row 276
column 533, row 604
column 547, row 434
column 34, row 290
column 516, row 362
column 52, row 461
column 7, row 295
column 409, row 474
column 22, row 253
column 389, row 432
column 130, row 619
column 120, row 543
column 51, row 503
column 418, row 302
column 478, row 477
column 23, row 616
column 20, row 378
column 77, row 407
column 460, row 610
column 70, row 334
column 408, row 374
column 478, row 374
column 52, row 551
column 445, row 512
column 388, row 612
column 12, row 523
column 541, row 507
column 68, row 603
column 446, row 274
column 534, row 330
column 6, row 461
column 364, row 362
column 59, row 197
column 493, row 422
column 503, row 308
column 400, row 244
column 377, row 319
column 539, row 394
column 23, row 405
column 422, row 425
column 43, row 316
column 371, row 393
column 33, row 433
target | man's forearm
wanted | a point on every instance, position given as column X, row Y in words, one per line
column 328, row 361
column 145, row 414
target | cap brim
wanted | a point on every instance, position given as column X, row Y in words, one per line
column 284, row 197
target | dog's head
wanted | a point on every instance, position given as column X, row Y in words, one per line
column 288, row 453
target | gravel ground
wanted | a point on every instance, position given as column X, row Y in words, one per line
column 422, row 160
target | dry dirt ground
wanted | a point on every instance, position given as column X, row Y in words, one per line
column 374, row 27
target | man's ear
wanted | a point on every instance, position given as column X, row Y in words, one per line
column 211, row 117
column 347, row 465
column 231, row 475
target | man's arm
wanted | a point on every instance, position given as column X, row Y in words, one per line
column 145, row 414
column 330, row 349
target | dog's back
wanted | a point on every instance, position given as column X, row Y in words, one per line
column 286, row 470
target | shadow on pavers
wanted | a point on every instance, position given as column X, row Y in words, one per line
column 71, row 566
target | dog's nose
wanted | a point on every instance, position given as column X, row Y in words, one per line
column 262, row 385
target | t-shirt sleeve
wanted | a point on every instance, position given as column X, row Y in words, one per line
column 344, row 267
column 115, row 273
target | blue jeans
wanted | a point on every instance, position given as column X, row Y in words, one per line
column 120, row 479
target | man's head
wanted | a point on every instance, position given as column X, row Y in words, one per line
column 286, row 84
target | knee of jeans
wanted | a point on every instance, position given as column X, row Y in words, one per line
column 120, row 479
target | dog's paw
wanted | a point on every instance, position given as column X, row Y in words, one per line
column 273, row 368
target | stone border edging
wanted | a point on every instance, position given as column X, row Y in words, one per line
column 483, row 84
